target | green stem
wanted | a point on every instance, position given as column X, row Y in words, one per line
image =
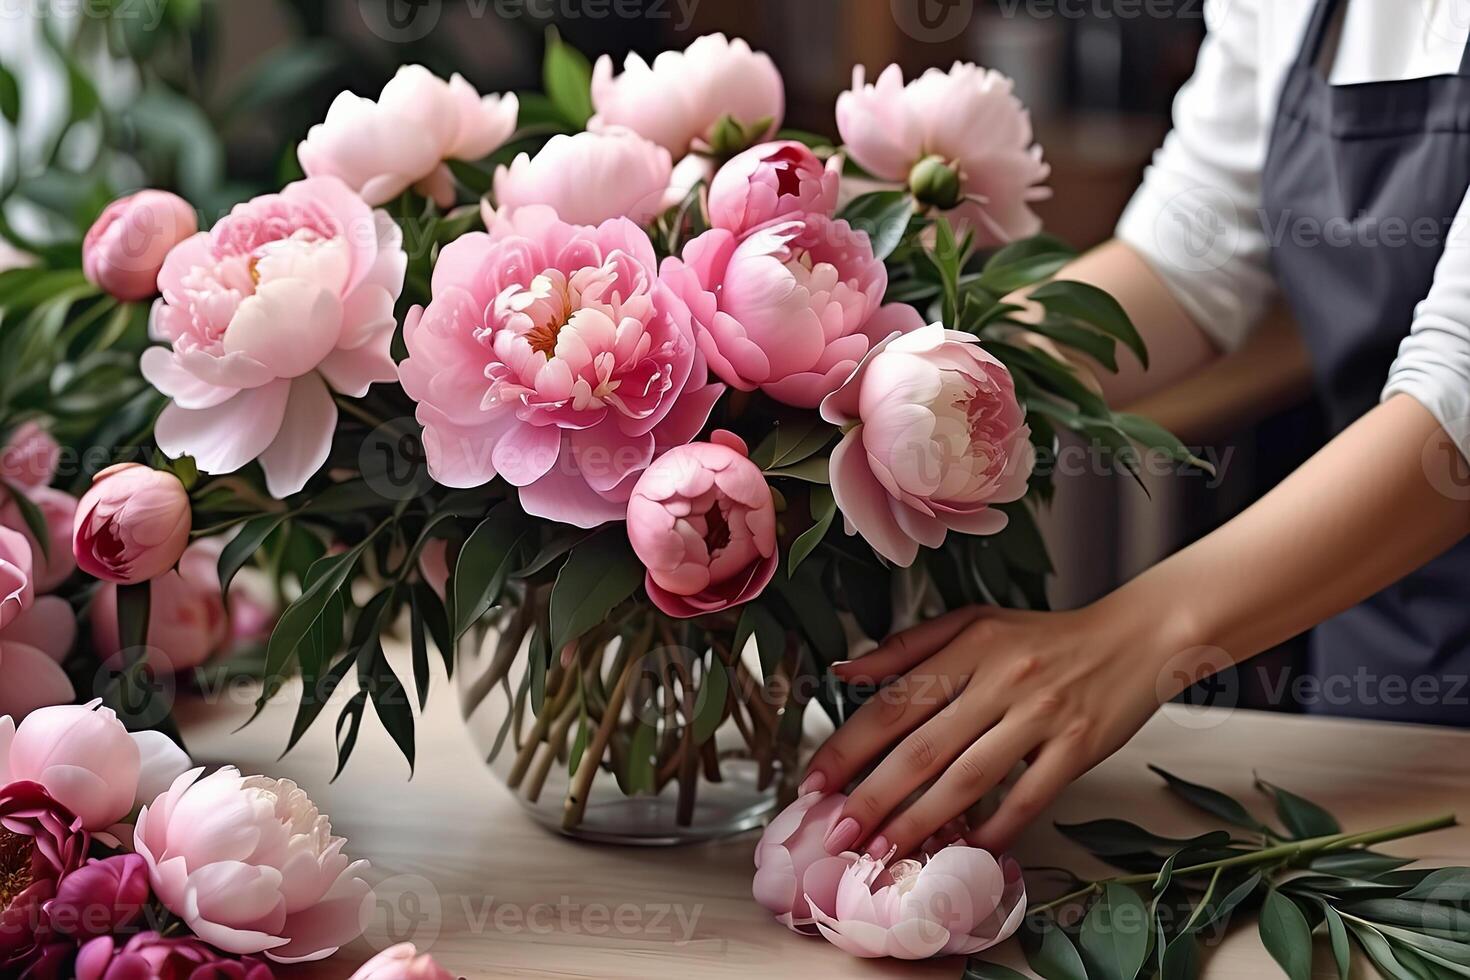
column 1288, row 853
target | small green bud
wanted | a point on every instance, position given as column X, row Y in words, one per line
column 935, row 182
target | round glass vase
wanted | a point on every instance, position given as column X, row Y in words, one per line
column 647, row 730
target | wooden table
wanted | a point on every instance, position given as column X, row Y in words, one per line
column 467, row 876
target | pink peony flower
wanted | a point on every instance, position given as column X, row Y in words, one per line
column 53, row 564
column 251, row 866
column 771, row 181
column 149, row 956
column 35, row 634
column 936, row 436
column 288, row 299
column 41, row 842
column 679, row 99
column 367, row 145
column 553, row 356
column 101, row 897
column 703, row 521
column 965, row 120
column 29, row 457
column 793, row 871
column 586, row 179
column 790, row 308
column 132, row 525
column 125, row 248
column 402, row 962
column 959, row 902
column 187, row 622
column 87, row 760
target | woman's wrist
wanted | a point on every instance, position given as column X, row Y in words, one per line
column 1164, row 632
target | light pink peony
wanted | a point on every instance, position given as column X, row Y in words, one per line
column 187, row 622
column 679, row 99
column 971, row 122
column 125, row 248
column 35, row 634
column 793, row 870
column 934, row 437
column 54, row 563
column 554, row 357
column 288, row 299
column 382, row 148
column 586, row 179
column 132, row 525
column 251, row 866
column 790, row 308
column 29, row 457
column 402, row 962
column 959, row 902
column 770, row 181
column 87, row 760
column 702, row 520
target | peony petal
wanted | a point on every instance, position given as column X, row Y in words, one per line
column 301, row 447
column 224, row 437
column 866, row 504
column 29, row 679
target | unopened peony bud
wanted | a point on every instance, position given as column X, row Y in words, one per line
column 132, row 525
column 125, row 248
column 936, row 183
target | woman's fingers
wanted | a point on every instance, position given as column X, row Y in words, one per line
column 976, row 771
column 1055, row 767
column 904, row 651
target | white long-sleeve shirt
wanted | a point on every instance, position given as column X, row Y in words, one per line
column 1197, row 217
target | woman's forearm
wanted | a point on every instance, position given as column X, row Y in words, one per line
column 1377, row 502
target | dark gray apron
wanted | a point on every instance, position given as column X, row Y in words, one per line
column 1360, row 185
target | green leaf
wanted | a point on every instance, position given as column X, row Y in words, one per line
column 1089, row 304
column 377, row 678
column 1364, row 864
column 1337, row 933
column 770, row 636
column 1181, row 959
column 31, row 516
column 418, row 638
column 709, row 708
column 1212, row 801
column 1286, row 935
column 811, row 611
column 243, row 546
column 1098, row 346
column 1449, row 885
column 316, row 692
column 884, row 216
column 326, row 576
column 824, row 509
column 351, row 719
column 477, row 179
column 1413, row 914
column 9, row 96
column 1301, row 816
column 793, row 440
column 1221, row 910
column 1020, row 264
column 815, row 469
column 579, row 745
column 436, row 620
column 282, row 75
column 1381, row 953
column 132, row 615
column 567, row 77
column 485, row 560
column 599, row 574
column 640, row 773
column 1113, row 838
column 977, row 969
column 1149, row 434
column 1115, row 935
column 1049, row 950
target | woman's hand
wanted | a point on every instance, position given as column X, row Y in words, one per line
column 969, row 695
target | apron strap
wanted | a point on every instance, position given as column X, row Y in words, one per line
column 1310, row 52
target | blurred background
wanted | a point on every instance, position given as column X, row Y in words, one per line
column 208, row 97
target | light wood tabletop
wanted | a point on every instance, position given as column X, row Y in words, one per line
column 467, row 876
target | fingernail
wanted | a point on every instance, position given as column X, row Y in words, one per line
column 842, row 836
column 813, row 783
column 839, row 663
column 879, row 847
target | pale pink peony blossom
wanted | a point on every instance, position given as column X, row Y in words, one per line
column 187, row 620
column 770, row 181
column 703, row 522
column 30, row 456
column 54, row 563
column 251, row 866
column 288, row 299
column 35, row 634
column 381, row 149
column 957, row 903
column 790, row 308
column 132, row 525
column 87, row 760
column 679, row 99
column 553, row 356
column 402, row 962
column 125, row 248
column 793, row 871
column 968, row 120
column 586, row 178
column 935, row 437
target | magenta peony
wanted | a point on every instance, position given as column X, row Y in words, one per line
column 935, row 436
column 553, row 356
column 101, row 897
column 793, row 871
column 703, row 522
column 35, row 634
column 678, row 100
column 40, row 843
column 251, row 866
column 791, row 308
column 287, row 300
column 187, row 622
column 771, row 181
column 959, row 902
column 366, row 145
column 149, row 956
column 586, row 179
column 125, row 248
column 402, row 962
column 960, row 139
column 132, row 525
